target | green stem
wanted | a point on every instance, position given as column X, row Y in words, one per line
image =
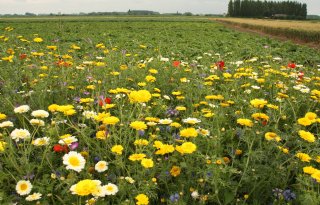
column 246, row 167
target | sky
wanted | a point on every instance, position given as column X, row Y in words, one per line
column 162, row 6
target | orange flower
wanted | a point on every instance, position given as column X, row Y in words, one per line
column 175, row 171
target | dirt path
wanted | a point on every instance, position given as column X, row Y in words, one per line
column 261, row 33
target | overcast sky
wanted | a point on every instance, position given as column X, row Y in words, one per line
column 162, row 6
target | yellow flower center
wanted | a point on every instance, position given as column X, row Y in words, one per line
column 74, row 161
column 42, row 142
column 23, row 187
column 101, row 166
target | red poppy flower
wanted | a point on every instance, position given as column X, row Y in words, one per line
column 60, row 148
column 264, row 122
column 105, row 101
column 220, row 65
column 300, row 75
column 23, row 56
column 291, row 65
column 176, row 63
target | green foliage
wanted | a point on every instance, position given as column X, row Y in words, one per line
column 269, row 9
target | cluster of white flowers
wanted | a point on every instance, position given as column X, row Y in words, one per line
column 40, row 114
column 18, row 134
column 166, row 121
column 191, row 120
column 22, row 109
column 6, row 124
column 302, row 88
column 89, row 114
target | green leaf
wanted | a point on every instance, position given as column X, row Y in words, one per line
column 228, row 197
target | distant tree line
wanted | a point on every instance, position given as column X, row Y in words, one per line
column 269, row 9
column 114, row 13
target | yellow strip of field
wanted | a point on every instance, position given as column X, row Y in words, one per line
column 290, row 24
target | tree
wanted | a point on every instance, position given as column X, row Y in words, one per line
column 230, row 8
column 30, row 14
column 274, row 9
column 237, row 7
column 245, row 9
column 187, row 14
column 304, row 11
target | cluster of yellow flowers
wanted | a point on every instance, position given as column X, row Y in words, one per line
column 140, row 96
column 309, row 119
column 67, row 110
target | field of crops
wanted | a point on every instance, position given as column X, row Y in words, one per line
column 307, row 31
column 155, row 111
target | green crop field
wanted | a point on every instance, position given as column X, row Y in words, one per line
column 119, row 110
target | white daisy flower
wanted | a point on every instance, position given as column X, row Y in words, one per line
column 191, row 120
column 18, row 134
column 22, row 109
column 23, row 187
column 74, row 161
column 101, row 166
column 37, row 122
column 68, row 140
column 33, row 197
column 6, row 124
column 41, row 141
column 110, row 189
column 40, row 114
column 166, row 121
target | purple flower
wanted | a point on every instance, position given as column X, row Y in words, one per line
column 96, row 159
column 175, row 197
column 176, row 136
column 29, row 176
column 209, row 174
column 77, row 99
column 57, row 173
column 239, row 133
column 141, row 132
column 74, row 145
column 172, row 112
column 288, row 195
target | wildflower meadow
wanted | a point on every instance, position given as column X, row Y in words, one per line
column 155, row 111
